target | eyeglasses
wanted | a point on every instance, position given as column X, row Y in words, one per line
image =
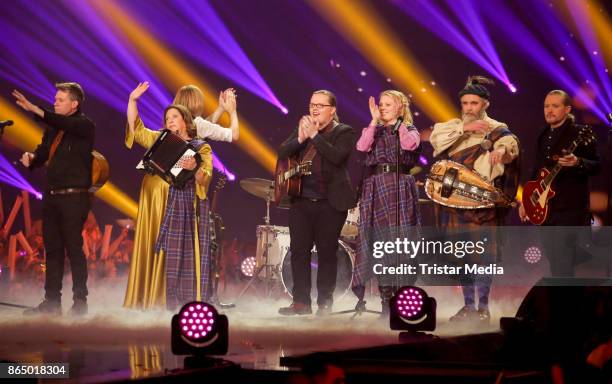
column 318, row 106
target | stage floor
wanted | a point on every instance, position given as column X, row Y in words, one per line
column 112, row 343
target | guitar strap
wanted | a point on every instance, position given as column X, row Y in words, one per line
column 311, row 151
column 56, row 142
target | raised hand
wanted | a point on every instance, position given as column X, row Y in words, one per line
column 139, row 90
column 374, row 111
column 227, row 100
column 479, row 126
column 21, row 101
column 301, row 130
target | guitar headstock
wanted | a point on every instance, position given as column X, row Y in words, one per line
column 220, row 181
column 586, row 135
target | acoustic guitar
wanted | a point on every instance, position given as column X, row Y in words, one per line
column 288, row 179
column 100, row 171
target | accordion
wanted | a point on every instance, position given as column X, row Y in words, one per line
column 163, row 158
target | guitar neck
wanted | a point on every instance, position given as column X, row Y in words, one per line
column 555, row 170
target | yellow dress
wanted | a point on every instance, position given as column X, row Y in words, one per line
column 146, row 287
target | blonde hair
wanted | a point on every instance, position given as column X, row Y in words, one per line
column 567, row 100
column 192, row 98
column 400, row 98
column 332, row 101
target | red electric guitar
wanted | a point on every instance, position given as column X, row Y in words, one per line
column 537, row 193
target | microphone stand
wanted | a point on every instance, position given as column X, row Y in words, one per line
column 398, row 153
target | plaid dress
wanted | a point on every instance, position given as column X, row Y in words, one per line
column 184, row 222
column 377, row 206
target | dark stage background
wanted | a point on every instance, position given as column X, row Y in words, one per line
column 295, row 51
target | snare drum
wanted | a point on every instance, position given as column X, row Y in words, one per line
column 344, row 276
column 351, row 225
column 276, row 240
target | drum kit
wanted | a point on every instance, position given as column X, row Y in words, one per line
column 273, row 256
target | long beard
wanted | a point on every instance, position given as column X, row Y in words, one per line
column 468, row 118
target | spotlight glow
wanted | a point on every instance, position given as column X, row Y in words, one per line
column 533, row 255
column 512, row 88
column 409, row 304
column 247, row 267
column 197, row 333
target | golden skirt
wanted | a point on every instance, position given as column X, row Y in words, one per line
column 146, row 287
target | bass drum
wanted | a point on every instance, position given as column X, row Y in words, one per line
column 344, row 277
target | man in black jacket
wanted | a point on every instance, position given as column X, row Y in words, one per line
column 318, row 214
column 570, row 205
column 66, row 152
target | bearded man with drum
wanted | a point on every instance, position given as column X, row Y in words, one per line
column 487, row 147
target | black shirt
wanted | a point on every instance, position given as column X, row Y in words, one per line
column 313, row 185
column 571, row 184
column 70, row 166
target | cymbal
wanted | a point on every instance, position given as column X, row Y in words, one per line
column 125, row 223
column 259, row 187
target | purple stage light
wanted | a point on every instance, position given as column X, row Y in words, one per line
column 467, row 12
column 551, row 24
column 517, row 32
column 409, row 303
column 429, row 15
column 533, row 255
column 197, row 333
column 197, row 24
column 9, row 175
column 587, row 35
column 101, row 51
column 512, row 88
column 423, row 160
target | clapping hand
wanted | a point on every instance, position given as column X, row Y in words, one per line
column 374, row 111
column 227, row 100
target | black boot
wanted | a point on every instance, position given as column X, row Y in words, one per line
column 386, row 293
column 47, row 307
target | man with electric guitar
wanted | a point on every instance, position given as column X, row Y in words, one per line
column 558, row 194
column 315, row 158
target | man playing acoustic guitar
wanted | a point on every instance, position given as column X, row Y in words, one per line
column 318, row 212
column 66, row 151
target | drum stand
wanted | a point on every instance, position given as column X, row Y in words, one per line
column 360, row 307
column 268, row 270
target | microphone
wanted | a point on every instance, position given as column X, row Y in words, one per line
column 6, row 123
column 397, row 124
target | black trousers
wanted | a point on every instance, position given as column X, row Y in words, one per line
column 318, row 223
column 63, row 219
column 560, row 244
